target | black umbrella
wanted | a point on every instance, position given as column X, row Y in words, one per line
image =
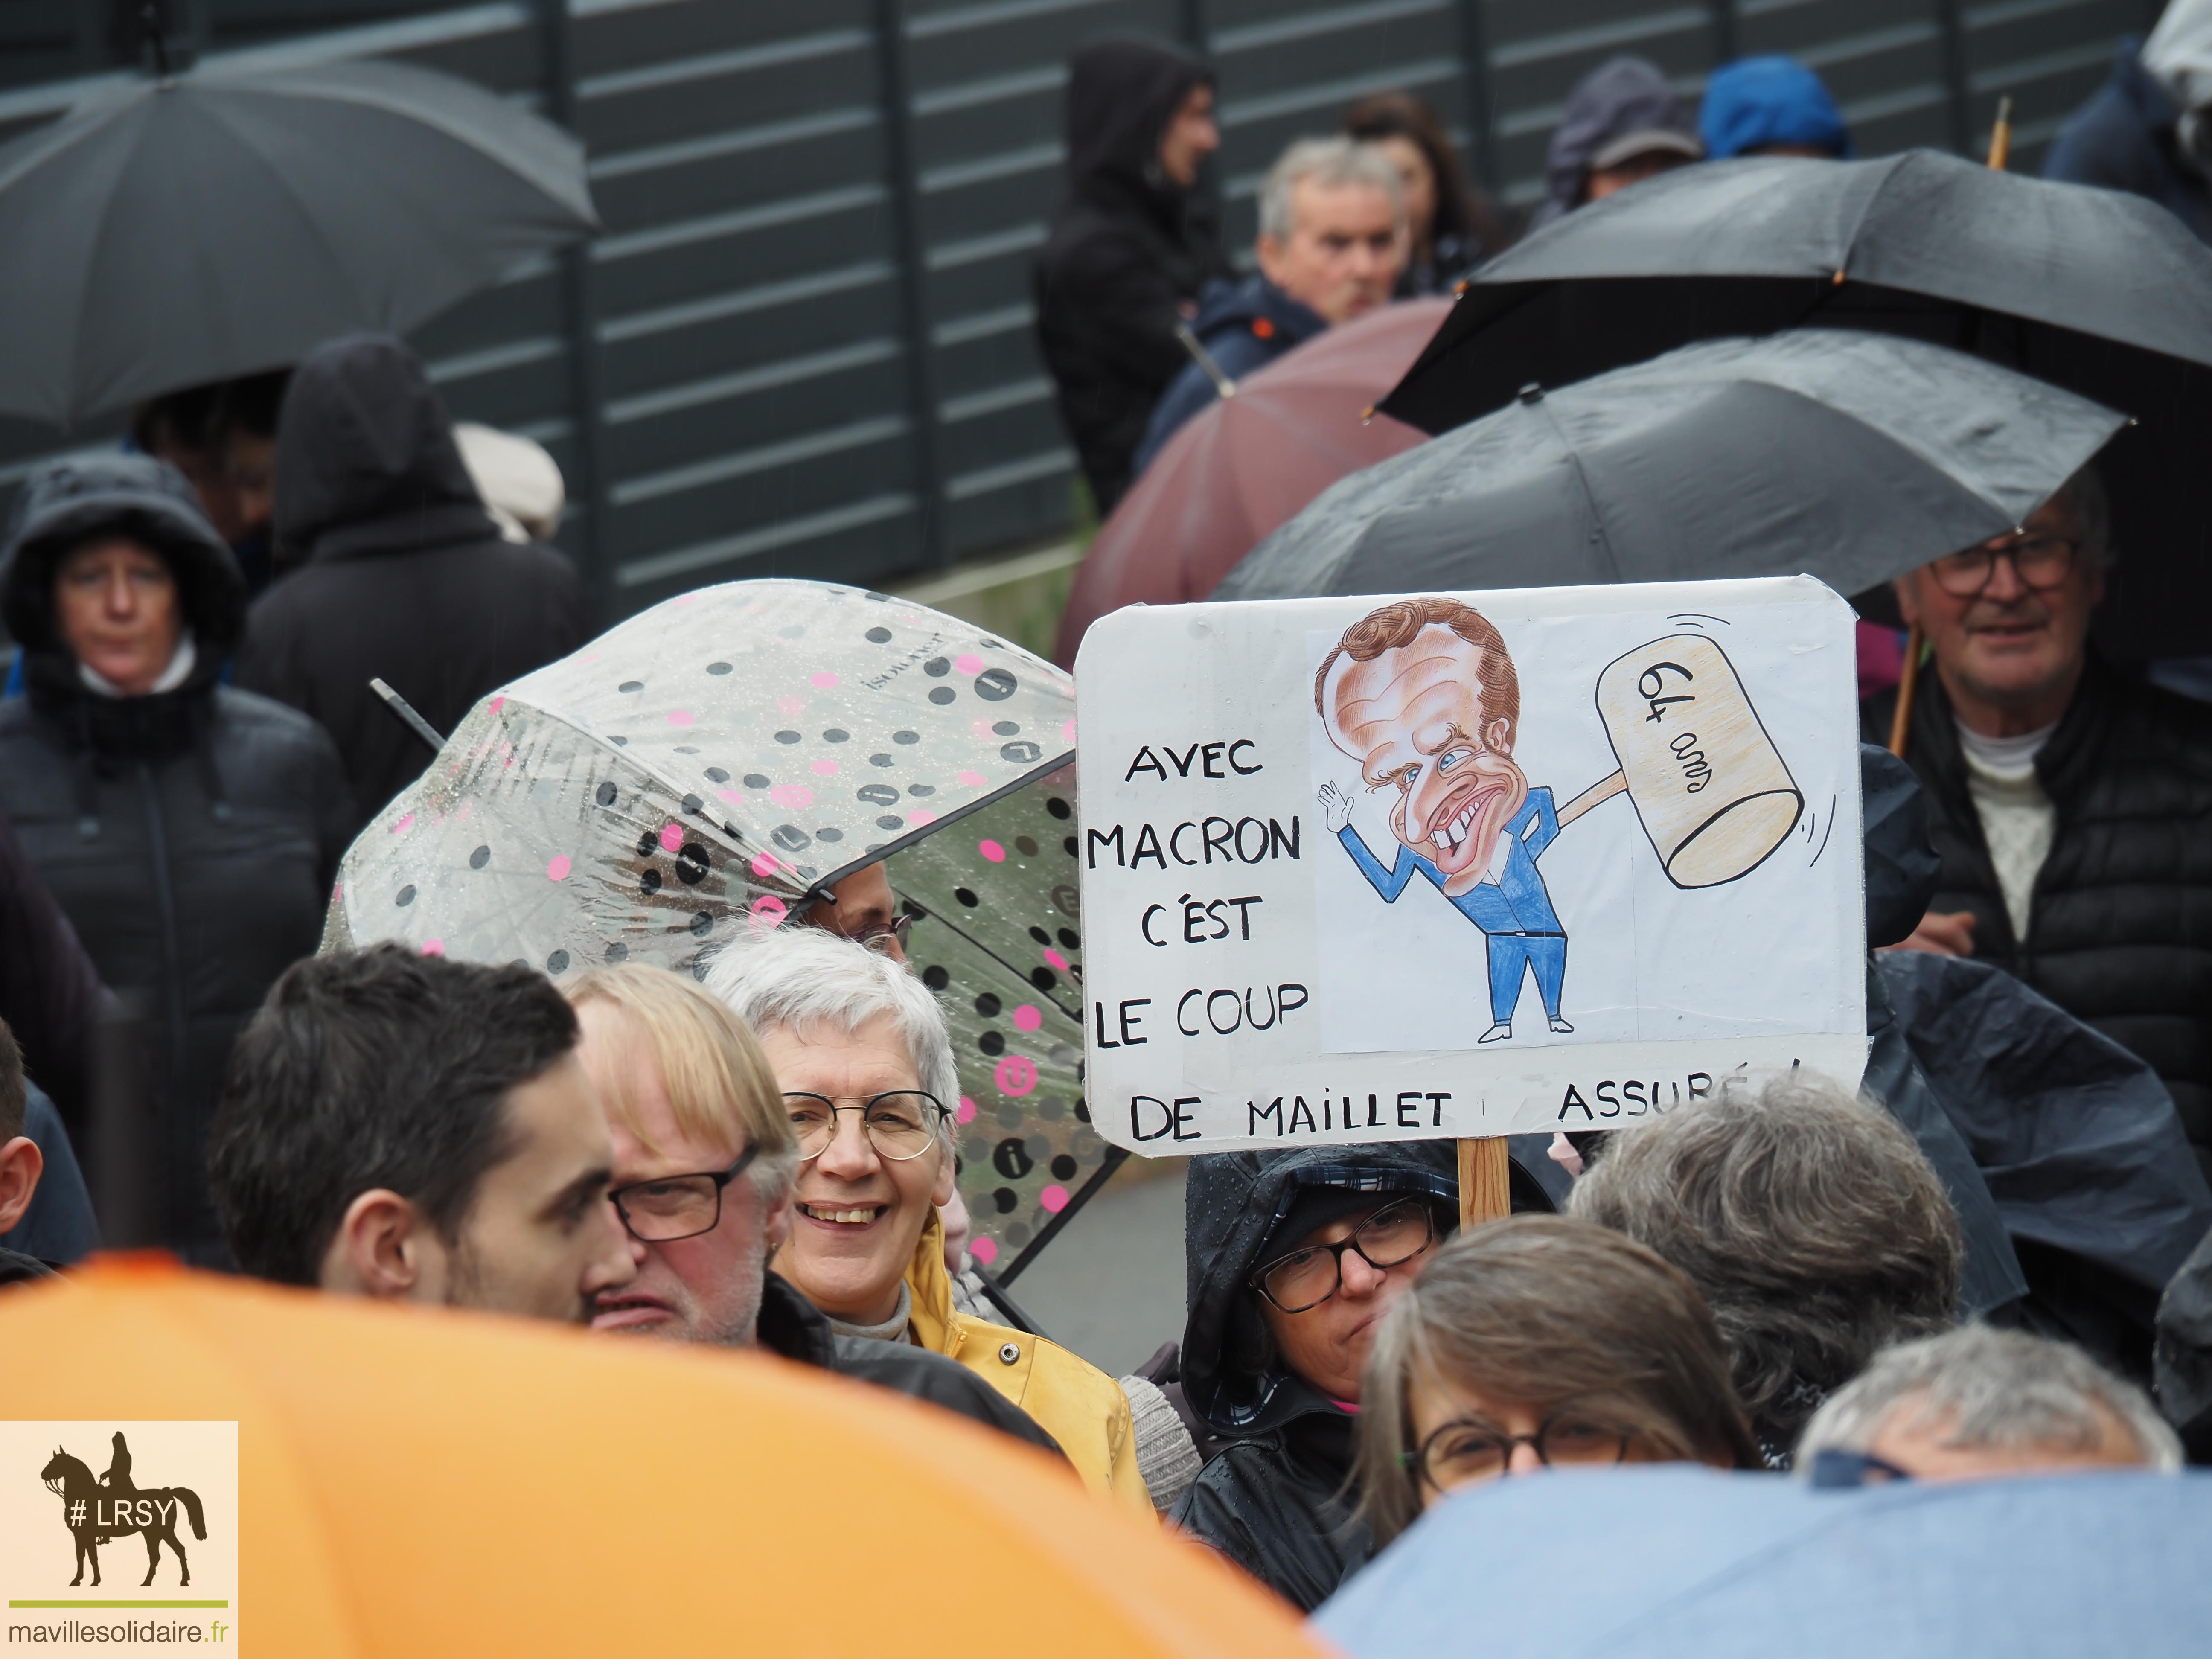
column 2104, row 293
column 170, row 232
column 1849, row 456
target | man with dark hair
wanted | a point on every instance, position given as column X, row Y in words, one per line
column 403, row 1127
column 21, row 1164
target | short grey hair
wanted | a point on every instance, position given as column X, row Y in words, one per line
column 2092, row 511
column 1809, row 1222
column 802, row 977
column 1329, row 162
column 1981, row 1387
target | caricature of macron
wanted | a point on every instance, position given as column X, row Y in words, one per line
column 1422, row 693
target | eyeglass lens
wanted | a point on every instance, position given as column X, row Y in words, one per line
column 1307, row 1278
column 657, row 1212
column 1460, row 1454
column 898, row 1125
column 2041, row 561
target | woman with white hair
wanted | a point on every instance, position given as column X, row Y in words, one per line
column 866, row 1064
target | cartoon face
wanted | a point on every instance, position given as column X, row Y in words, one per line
column 1414, row 720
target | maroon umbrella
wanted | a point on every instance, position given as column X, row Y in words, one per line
column 1249, row 464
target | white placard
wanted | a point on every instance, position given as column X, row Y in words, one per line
column 1476, row 864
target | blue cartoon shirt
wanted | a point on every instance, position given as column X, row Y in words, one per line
column 1515, row 903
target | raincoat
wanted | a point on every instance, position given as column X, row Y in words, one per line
column 1277, row 1500
column 2129, row 136
column 792, row 1327
column 1128, row 253
column 2116, row 936
column 394, row 569
column 1243, row 329
column 50, row 993
column 1082, row 1408
column 191, row 835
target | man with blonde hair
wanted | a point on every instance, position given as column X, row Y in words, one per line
column 704, row 1160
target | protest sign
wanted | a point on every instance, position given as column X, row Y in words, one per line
column 1465, row 865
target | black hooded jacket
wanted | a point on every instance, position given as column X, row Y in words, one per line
column 1277, row 1499
column 2120, row 932
column 792, row 1327
column 189, row 835
column 395, row 569
column 1128, row 256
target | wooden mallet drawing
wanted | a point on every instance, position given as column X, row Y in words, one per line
column 1709, row 786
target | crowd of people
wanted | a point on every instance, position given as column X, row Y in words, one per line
column 1779, row 1277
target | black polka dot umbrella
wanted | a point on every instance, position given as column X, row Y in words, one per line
column 707, row 765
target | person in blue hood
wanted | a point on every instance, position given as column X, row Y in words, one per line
column 1333, row 241
column 2149, row 130
column 1770, row 105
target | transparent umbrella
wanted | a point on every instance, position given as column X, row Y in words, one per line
column 710, row 765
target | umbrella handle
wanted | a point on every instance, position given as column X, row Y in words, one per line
column 1223, row 386
column 414, row 722
column 2000, row 137
column 1900, row 726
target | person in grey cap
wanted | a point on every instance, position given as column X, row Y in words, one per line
column 1623, row 124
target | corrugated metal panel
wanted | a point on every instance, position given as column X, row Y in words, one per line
column 812, row 338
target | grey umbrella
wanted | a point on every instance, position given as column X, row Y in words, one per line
column 2103, row 293
column 170, row 232
column 1848, row 456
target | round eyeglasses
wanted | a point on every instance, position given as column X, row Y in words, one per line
column 1306, row 1277
column 2040, row 562
column 899, row 1125
column 1468, row 1449
column 662, row 1211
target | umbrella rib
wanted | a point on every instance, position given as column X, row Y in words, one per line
column 1590, row 496
column 300, row 204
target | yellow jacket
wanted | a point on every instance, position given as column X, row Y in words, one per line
column 1071, row 1400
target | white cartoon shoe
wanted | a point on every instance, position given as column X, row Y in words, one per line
column 1561, row 1027
column 1496, row 1033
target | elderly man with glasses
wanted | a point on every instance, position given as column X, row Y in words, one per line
column 860, row 1051
column 2071, row 804
column 703, row 1162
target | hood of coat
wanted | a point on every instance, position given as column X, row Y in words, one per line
column 1758, row 102
column 1120, row 95
column 68, row 503
column 1231, row 1203
column 1616, row 110
column 366, row 458
column 1258, row 304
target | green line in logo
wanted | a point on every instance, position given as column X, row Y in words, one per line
column 119, row 1604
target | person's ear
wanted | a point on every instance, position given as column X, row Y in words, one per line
column 940, row 1191
column 20, row 1166
column 1907, row 589
column 1497, row 736
column 2096, row 586
column 1269, row 252
column 385, row 1247
column 776, row 1225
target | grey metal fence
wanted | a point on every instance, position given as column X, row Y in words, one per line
column 805, row 345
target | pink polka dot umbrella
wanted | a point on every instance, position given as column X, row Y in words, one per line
column 708, row 766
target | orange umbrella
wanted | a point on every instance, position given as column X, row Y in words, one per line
column 1246, row 465
column 421, row 1483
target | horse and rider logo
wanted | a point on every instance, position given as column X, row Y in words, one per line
column 98, row 1509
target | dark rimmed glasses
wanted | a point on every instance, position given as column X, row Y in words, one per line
column 899, row 1124
column 2040, row 562
column 1306, row 1277
column 662, row 1211
column 1468, row 1449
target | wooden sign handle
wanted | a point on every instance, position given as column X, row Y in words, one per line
column 1486, row 1184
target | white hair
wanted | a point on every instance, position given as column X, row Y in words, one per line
column 1329, row 162
column 800, row 978
column 1982, row 1387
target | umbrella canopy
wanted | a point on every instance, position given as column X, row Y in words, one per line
column 1676, row 1561
column 425, row 1483
column 2104, row 294
column 1240, row 468
column 1847, row 456
column 172, row 231
column 708, row 764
